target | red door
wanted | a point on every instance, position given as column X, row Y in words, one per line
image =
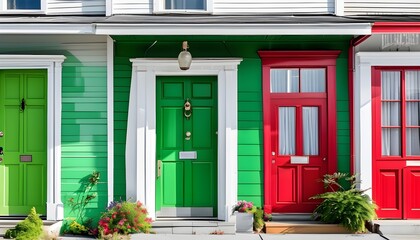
column 299, row 156
column 396, row 142
column 299, row 106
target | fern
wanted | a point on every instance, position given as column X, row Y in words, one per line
column 350, row 208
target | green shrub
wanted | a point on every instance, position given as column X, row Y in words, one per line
column 350, row 208
column 28, row 229
column 124, row 218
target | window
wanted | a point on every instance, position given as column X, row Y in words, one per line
column 295, row 80
column 400, row 112
column 23, row 4
column 182, row 6
column 185, row 4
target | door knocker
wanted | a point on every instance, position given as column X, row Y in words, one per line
column 22, row 105
column 187, row 108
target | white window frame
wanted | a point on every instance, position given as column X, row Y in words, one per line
column 4, row 10
column 159, row 8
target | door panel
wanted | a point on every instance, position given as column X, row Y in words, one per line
column 298, row 153
column 411, row 189
column 24, row 163
column 186, row 186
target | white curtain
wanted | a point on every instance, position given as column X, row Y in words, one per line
column 284, row 80
column 313, row 80
column 412, row 91
column 310, row 130
column 391, row 113
column 287, row 130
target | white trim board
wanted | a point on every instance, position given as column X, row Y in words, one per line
column 53, row 65
column 110, row 117
column 363, row 106
column 234, row 29
column 141, row 128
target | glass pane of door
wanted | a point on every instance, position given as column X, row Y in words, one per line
column 412, row 93
column 310, row 130
column 287, row 130
column 391, row 113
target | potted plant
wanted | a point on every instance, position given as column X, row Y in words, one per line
column 351, row 208
column 244, row 212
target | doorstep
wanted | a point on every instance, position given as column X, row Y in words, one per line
column 398, row 227
column 170, row 226
column 300, row 224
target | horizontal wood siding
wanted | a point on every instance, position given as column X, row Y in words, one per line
column 250, row 132
column 76, row 7
column 132, row 6
column 237, row 6
column 273, row 6
column 381, row 7
column 84, row 108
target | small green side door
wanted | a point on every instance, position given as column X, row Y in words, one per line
column 186, row 167
column 23, row 123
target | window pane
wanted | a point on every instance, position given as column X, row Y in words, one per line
column 287, row 130
column 390, row 85
column 24, row 4
column 284, row 80
column 391, row 142
column 412, row 114
column 185, row 4
column 313, row 80
column 310, row 130
column 413, row 141
column 412, row 85
column 391, row 114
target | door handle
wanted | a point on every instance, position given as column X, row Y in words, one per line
column 1, row 150
column 159, row 168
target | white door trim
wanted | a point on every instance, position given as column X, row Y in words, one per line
column 141, row 127
column 53, row 65
column 363, row 106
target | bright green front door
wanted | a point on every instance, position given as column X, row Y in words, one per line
column 23, row 139
column 186, row 167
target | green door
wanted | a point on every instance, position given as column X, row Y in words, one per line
column 23, row 123
column 186, row 168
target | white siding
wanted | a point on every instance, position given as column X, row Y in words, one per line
column 132, row 6
column 237, row 6
column 273, row 6
column 76, row 7
column 381, row 7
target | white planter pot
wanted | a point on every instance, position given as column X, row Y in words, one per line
column 244, row 222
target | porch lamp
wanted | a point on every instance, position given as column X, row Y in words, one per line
column 184, row 57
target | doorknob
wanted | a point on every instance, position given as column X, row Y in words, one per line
column 188, row 135
column 1, row 150
column 1, row 134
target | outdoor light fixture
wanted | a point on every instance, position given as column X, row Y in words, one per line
column 184, row 57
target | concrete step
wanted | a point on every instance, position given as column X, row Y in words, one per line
column 399, row 227
column 172, row 226
column 303, row 227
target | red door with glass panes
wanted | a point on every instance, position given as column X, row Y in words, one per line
column 396, row 142
column 299, row 127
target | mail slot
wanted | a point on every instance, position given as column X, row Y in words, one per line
column 26, row 158
column 188, row 155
